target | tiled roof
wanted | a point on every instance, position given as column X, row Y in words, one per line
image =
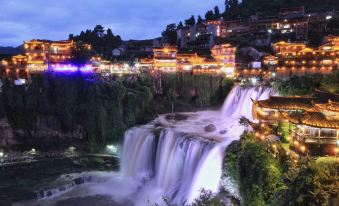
column 313, row 119
column 324, row 97
column 287, row 103
column 330, row 106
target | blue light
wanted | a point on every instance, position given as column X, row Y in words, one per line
column 86, row 69
column 71, row 68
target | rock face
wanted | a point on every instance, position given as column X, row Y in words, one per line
column 6, row 133
column 44, row 129
column 210, row 128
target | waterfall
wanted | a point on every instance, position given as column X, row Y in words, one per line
column 173, row 159
column 239, row 103
column 184, row 160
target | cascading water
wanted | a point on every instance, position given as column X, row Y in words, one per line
column 239, row 101
column 173, row 159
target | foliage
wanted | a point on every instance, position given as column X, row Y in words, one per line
column 170, row 34
column 80, row 54
column 333, row 26
column 195, row 90
column 101, row 109
column 330, row 83
column 102, row 43
column 312, row 184
column 260, row 174
column 266, row 180
column 283, row 129
column 298, row 85
column 190, row 21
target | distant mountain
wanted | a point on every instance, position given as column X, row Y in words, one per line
column 11, row 50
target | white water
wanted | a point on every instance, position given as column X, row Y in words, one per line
column 177, row 164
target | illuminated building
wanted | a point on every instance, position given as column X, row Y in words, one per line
column 19, row 61
column 314, row 120
column 270, row 60
column 298, row 59
column 41, row 53
column 168, row 59
column 224, row 54
column 164, row 58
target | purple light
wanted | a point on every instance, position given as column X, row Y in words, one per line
column 71, row 68
column 86, row 69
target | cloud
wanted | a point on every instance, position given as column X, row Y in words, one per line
column 131, row 19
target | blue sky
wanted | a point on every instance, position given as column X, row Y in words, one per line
column 54, row 19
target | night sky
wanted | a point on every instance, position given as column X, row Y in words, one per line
column 55, row 19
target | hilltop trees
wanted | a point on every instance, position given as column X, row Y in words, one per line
column 102, row 42
column 170, row 34
column 190, row 21
column 210, row 15
column 81, row 54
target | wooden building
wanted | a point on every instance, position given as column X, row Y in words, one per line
column 314, row 120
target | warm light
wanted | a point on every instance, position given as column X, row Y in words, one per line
column 303, row 148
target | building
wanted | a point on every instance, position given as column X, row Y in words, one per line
column 224, row 54
column 296, row 58
column 41, row 53
column 165, row 58
column 294, row 20
column 264, row 23
column 313, row 120
column 19, row 61
column 169, row 59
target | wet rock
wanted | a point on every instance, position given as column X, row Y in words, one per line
column 210, row 128
column 176, row 117
column 79, row 181
column 63, row 188
column 49, row 193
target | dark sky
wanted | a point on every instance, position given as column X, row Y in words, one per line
column 54, row 19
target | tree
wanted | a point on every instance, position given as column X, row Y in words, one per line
column 102, row 43
column 80, row 54
column 232, row 4
column 200, row 20
column 190, row 21
column 180, row 25
column 170, row 34
column 216, row 12
column 99, row 30
column 333, row 26
column 312, row 183
column 209, row 15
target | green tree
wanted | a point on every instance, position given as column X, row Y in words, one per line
column 312, row 184
column 180, row 26
column 200, row 20
column 81, row 54
column 217, row 12
column 190, row 21
column 170, row 34
column 209, row 15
